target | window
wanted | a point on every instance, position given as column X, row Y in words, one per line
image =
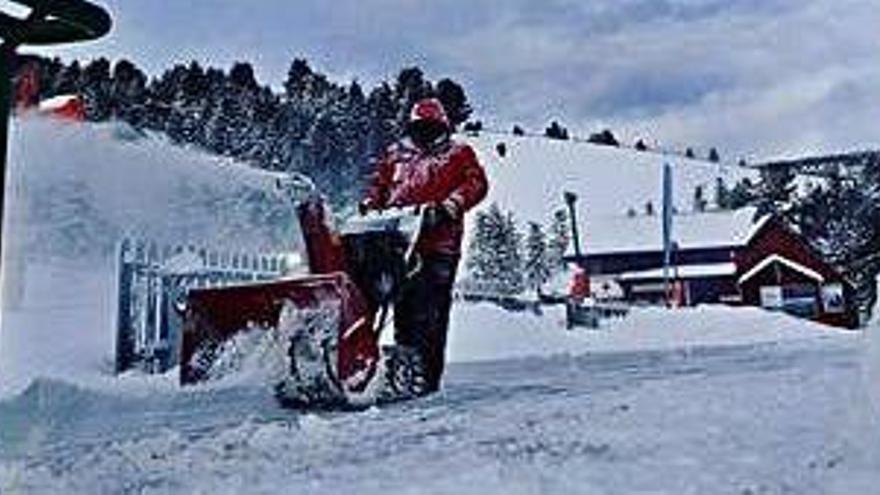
column 832, row 298
column 795, row 299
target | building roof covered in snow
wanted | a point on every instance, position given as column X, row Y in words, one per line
column 690, row 231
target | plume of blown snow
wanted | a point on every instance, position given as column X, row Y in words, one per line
column 78, row 189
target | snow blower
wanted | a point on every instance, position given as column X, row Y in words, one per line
column 330, row 320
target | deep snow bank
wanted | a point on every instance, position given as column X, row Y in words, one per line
column 481, row 332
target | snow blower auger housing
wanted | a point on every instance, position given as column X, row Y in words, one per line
column 329, row 319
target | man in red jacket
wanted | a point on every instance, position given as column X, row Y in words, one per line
column 429, row 168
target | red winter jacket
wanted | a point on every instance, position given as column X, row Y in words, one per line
column 408, row 176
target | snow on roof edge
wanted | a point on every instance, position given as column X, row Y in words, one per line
column 809, row 272
column 685, row 271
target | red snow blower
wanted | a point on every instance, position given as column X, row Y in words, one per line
column 330, row 320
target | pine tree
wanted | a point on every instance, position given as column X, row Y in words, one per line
column 511, row 258
column 327, row 130
column 558, row 241
column 96, row 89
column 383, row 127
column 605, row 138
column 742, row 194
column 410, row 87
column 775, row 189
column 495, row 263
column 69, row 80
column 714, row 157
column 480, row 266
column 128, row 93
column 556, row 131
column 537, row 269
column 721, row 194
column 700, row 202
column 454, row 101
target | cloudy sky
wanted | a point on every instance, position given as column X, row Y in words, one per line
column 756, row 78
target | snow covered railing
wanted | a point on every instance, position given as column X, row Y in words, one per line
column 152, row 284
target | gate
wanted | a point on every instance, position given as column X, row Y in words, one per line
column 152, row 285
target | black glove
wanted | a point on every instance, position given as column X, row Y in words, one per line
column 364, row 207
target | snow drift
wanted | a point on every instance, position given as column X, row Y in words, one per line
column 484, row 332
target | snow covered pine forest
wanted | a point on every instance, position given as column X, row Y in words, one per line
column 695, row 400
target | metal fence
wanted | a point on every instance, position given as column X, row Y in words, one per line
column 152, row 284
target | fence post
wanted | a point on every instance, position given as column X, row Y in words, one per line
column 124, row 334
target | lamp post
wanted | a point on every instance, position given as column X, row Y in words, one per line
column 49, row 22
column 570, row 200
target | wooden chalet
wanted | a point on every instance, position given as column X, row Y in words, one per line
column 726, row 257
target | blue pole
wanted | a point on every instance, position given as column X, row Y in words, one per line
column 667, row 229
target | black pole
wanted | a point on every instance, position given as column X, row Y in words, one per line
column 570, row 200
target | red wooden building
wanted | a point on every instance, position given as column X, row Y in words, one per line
column 719, row 257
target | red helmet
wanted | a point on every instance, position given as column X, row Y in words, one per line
column 429, row 110
column 428, row 126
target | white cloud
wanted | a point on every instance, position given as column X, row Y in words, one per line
column 752, row 77
column 756, row 80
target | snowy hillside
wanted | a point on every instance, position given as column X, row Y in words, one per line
column 532, row 176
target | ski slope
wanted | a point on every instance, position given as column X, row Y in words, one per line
column 609, row 181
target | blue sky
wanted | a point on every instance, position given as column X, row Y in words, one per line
column 756, row 78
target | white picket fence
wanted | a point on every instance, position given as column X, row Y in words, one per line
column 152, row 284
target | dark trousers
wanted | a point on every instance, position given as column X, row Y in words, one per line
column 421, row 314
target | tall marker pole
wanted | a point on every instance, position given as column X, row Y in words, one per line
column 667, row 231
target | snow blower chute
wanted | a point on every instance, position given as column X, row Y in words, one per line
column 329, row 320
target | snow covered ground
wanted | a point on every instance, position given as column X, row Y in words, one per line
column 487, row 334
column 576, row 413
column 705, row 400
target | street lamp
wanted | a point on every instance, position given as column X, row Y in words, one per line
column 570, row 200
